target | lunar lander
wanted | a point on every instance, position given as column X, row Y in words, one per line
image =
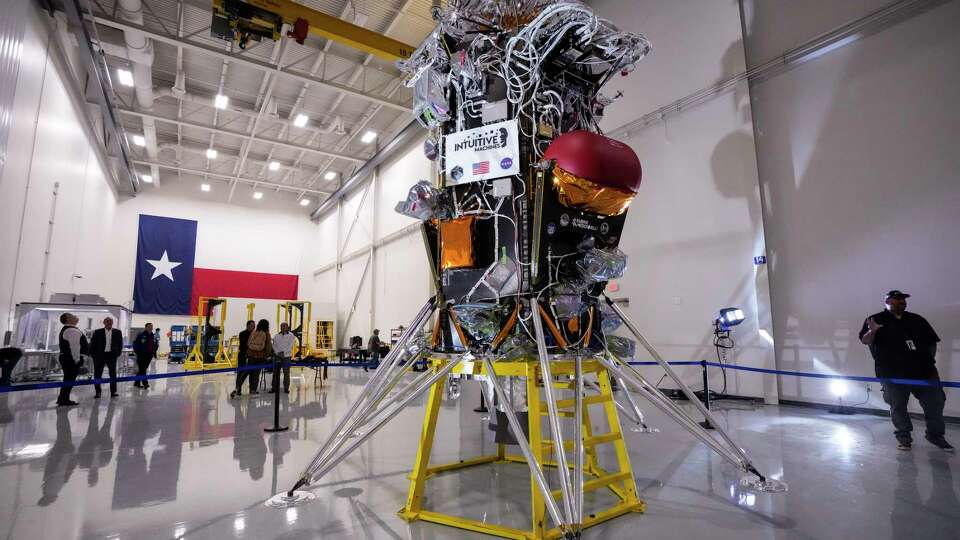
column 522, row 232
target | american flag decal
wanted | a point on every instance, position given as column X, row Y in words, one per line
column 481, row 168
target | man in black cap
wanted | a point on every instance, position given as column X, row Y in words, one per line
column 904, row 346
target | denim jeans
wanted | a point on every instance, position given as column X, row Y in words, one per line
column 931, row 398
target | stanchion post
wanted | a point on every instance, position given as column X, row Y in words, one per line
column 706, row 393
column 276, row 398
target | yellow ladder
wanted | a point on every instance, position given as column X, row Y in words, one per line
column 620, row 481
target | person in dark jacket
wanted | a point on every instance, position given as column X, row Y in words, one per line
column 145, row 347
column 242, row 374
column 904, row 346
column 105, row 347
column 9, row 356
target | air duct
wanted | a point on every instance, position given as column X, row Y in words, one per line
column 140, row 54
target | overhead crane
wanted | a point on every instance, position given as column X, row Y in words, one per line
column 244, row 20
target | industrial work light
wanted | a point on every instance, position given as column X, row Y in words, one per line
column 139, row 140
column 211, row 153
column 838, row 388
column 368, row 137
column 301, row 120
column 147, row 178
column 330, row 175
column 730, row 317
column 304, row 202
column 204, row 187
column 258, row 195
column 221, row 101
column 274, row 165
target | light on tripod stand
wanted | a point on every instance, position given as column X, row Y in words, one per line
column 839, row 388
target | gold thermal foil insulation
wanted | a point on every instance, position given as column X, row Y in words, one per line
column 583, row 194
column 456, row 243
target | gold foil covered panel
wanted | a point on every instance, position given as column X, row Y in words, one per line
column 456, row 243
column 582, row 194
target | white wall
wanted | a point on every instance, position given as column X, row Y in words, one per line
column 93, row 238
column 47, row 147
column 397, row 282
column 696, row 224
column 858, row 161
column 270, row 240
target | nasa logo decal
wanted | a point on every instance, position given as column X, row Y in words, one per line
column 564, row 220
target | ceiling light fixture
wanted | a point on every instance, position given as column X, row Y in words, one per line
column 221, row 101
column 204, row 187
column 330, row 175
column 139, row 140
column 274, row 166
column 304, row 202
column 147, row 178
column 368, row 137
column 301, row 120
column 258, row 195
column 125, row 77
column 211, row 153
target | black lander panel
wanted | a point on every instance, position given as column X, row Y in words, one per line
column 489, row 246
column 558, row 230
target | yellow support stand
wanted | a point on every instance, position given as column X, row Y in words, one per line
column 324, row 339
column 195, row 360
column 620, row 482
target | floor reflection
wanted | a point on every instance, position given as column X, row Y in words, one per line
column 96, row 448
column 147, row 476
column 61, row 460
column 184, row 460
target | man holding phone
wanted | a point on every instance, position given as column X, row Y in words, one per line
column 904, row 346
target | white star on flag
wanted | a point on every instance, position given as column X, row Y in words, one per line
column 163, row 267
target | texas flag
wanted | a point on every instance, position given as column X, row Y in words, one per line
column 168, row 283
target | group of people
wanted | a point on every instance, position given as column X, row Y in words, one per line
column 105, row 347
column 257, row 347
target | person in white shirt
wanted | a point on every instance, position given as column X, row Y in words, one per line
column 72, row 344
column 283, row 348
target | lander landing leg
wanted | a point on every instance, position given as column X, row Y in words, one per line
column 731, row 451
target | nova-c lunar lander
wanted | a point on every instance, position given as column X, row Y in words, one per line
column 522, row 231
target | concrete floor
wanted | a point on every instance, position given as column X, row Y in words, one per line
column 183, row 461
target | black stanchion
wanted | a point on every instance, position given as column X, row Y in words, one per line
column 276, row 399
column 706, row 393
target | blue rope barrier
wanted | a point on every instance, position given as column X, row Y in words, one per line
column 128, row 378
column 857, row 378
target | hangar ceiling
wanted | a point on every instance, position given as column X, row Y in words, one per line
column 253, row 136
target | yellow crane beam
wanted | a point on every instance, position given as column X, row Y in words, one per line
column 245, row 20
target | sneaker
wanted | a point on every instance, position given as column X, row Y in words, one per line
column 114, row 395
column 941, row 443
column 904, row 445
